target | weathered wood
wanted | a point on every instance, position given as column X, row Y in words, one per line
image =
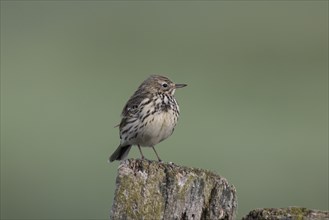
column 153, row 190
column 290, row 213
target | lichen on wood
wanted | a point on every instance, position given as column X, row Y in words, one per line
column 155, row 190
column 290, row 213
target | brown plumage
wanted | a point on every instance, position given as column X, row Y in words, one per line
column 149, row 116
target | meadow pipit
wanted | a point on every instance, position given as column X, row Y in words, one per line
column 149, row 116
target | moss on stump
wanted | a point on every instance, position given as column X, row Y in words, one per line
column 290, row 213
column 153, row 190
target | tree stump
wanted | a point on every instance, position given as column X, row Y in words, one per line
column 155, row 190
column 290, row 213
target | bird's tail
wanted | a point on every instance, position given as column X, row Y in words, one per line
column 120, row 153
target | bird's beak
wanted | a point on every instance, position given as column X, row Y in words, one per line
column 177, row 86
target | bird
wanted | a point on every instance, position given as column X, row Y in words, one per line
column 149, row 116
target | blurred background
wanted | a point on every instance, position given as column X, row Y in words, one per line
column 255, row 110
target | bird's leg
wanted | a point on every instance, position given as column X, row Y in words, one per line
column 156, row 154
column 140, row 150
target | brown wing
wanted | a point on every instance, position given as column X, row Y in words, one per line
column 133, row 108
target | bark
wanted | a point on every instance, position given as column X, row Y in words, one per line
column 154, row 190
column 290, row 213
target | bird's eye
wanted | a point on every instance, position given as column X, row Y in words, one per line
column 164, row 85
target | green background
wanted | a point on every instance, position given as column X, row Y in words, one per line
column 255, row 110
